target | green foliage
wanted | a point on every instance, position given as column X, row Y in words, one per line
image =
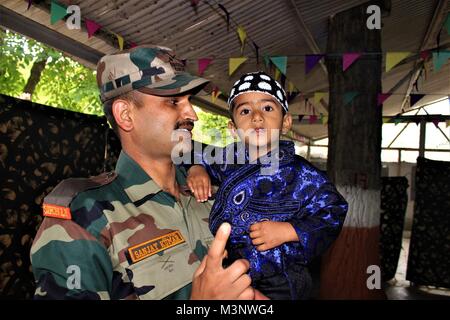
column 212, row 129
column 64, row 82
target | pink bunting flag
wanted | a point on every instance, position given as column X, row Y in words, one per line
column 92, row 27
column 348, row 59
column 132, row 45
column 382, row 97
column 425, row 54
column 203, row 63
column 312, row 119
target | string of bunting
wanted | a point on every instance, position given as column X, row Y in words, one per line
column 277, row 65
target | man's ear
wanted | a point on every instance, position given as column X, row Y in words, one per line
column 287, row 123
column 232, row 128
column 121, row 110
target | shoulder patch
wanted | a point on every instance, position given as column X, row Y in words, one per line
column 57, row 202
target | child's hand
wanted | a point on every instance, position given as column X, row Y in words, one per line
column 199, row 182
column 266, row 235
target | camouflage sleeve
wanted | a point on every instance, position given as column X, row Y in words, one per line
column 69, row 263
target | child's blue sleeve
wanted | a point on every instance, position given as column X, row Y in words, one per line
column 208, row 156
column 319, row 220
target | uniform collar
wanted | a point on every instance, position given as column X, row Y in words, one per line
column 136, row 183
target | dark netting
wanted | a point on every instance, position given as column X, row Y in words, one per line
column 39, row 147
column 429, row 250
column 394, row 200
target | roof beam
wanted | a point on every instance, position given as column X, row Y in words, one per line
column 18, row 23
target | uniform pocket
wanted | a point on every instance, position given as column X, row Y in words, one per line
column 159, row 275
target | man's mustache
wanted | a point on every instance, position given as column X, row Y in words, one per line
column 184, row 124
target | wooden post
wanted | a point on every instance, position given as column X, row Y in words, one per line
column 354, row 157
column 423, row 125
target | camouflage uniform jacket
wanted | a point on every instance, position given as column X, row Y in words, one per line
column 123, row 238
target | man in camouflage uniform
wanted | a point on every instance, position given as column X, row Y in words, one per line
column 134, row 233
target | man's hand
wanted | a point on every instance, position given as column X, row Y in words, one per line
column 199, row 182
column 212, row 281
column 266, row 235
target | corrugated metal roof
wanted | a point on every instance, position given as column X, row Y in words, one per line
column 275, row 26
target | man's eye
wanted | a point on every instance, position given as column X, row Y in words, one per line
column 244, row 112
column 267, row 108
column 174, row 102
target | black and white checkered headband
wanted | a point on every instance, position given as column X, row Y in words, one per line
column 258, row 82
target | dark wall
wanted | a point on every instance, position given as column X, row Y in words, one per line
column 39, row 147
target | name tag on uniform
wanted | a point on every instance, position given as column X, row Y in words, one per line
column 155, row 245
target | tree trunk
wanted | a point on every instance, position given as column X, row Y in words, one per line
column 354, row 156
column 35, row 76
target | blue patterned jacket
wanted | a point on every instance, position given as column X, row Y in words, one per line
column 297, row 192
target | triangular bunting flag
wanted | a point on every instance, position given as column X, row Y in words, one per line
column 280, row 63
column 349, row 96
column 29, row 4
column 277, row 74
column 132, row 45
column 311, row 60
column 382, row 97
column 92, row 27
column 242, row 36
column 312, row 119
column 324, row 119
column 414, row 98
column 234, row 63
column 290, row 87
column 57, row 12
column 386, row 119
column 447, row 24
column 348, row 59
column 439, row 59
column 394, row 58
column 318, row 96
column 436, row 122
column 447, row 123
column 397, row 121
column 215, row 94
column 425, row 54
column 203, row 63
column 120, row 41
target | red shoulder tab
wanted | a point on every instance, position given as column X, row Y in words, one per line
column 54, row 211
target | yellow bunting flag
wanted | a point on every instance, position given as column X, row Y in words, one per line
column 318, row 96
column 394, row 58
column 290, row 87
column 386, row 119
column 234, row 63
column 324, row 119
column 214, row 95
column 120, row 40
column 447, row 123
column 277, row 74
column 242, row 36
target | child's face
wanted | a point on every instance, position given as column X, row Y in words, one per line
column 259, row 119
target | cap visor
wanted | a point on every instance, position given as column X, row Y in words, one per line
column 181, row 83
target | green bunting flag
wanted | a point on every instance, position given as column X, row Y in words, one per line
column 57, row 12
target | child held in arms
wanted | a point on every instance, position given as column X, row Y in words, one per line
column 284, row 212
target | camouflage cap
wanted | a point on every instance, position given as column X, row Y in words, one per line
column 148, row 68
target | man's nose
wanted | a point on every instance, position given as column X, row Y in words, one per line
column 189, row 112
